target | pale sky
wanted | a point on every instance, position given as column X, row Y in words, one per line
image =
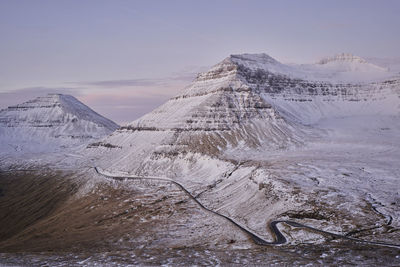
column 124, row 58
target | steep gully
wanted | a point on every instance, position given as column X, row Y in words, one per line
column 279, row 237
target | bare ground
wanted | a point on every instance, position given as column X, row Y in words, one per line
column 44, row 222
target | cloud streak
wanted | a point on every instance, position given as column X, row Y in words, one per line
column 143, row 82
column 124, row 83
column 122, row 100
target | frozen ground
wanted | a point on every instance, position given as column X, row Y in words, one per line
column 346, row 180
column 252, row 140
column 146, row 223
column 303, row 255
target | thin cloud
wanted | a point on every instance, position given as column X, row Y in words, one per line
column 129, row 99
column 125, row 83
column 143, row 82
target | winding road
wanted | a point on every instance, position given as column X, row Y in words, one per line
column 279, row 238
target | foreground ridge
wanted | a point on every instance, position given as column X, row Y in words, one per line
column 280, row 239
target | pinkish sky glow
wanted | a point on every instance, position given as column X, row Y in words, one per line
column 123, row 58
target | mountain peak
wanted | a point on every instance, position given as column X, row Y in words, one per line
column 351, row 64
column 260, row 58
column 343, row 57
column 64, row 104
column 245, row 102
column 49, row 99
column 54, row 119
column 228, row 68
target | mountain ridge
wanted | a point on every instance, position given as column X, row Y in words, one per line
column 255, row 145
column 51, row 121
column 246, row 102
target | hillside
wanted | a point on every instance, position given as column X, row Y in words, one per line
column 251, row 141
column 49, row 123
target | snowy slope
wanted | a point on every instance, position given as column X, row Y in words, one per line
column 344, row 68
column 245, row 128
column 341, row 68
column 307, row 101
column 258, row 140
column 391, row 64
column 50, row 123
column 247, row 102
column 217, row 111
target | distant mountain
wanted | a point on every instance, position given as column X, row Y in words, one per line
column 251, row 138
column 249, row 102
column 49, row 123
column 392, row 64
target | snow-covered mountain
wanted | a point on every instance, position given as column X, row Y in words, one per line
column 255, row 140
column 391, row 64
column 249, row 102
column 49, row 123
column 341, row 68
column 344, row 68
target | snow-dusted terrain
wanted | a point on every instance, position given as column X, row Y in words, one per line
column 263, row 140
column 50, row 123
column 249, row 103
column 258, row 140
